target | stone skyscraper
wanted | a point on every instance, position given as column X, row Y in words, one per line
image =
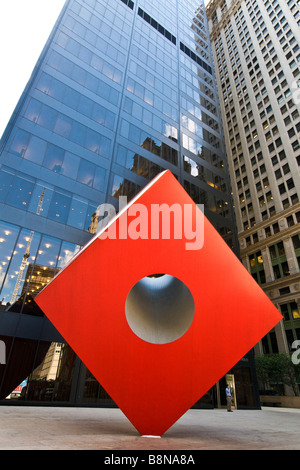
column 257, row 57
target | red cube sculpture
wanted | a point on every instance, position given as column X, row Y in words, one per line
column 158, row 320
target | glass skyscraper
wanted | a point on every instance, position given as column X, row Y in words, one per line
column 122, row 91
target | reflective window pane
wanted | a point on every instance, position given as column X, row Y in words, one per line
column 35, row 150
column 92, row 141
column 6, row 180
column 21, row 267
column 67, row 251
column 33, row 110
column 78, row 134
column 47, row 118
column 48, row 252
column 63, row 126
column 41, row 198
column 19, row 143
column 59, row 207
column 70, row 165
column 99, row 179
column 54, row 158
column 78, row 212
column 20, row 192
column 86, row 172
column 91, row 219
column 8, row 238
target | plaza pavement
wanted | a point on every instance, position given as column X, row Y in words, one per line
column 66, row 428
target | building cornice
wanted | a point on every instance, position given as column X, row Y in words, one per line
column 279, row 236
column 282, row 282
column 211, row 7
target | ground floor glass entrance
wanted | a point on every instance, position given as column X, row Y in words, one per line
column 45, row 372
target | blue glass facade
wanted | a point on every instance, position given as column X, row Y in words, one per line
column 123, row 90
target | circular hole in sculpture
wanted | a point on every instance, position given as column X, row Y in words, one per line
column 159, row 308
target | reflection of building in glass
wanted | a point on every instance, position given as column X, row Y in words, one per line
column 122, row 91
column 49, row 367
column 51, row 380
column 35, row 279
column 26, row 255
column 256, row 50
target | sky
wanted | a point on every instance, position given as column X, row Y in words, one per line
column 25, row 26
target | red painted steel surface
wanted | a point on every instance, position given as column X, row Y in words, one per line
column 155, row 384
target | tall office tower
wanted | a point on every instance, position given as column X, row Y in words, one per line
column 122, row 91
column 257, row 57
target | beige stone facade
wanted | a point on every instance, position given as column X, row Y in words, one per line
column 257, row 59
